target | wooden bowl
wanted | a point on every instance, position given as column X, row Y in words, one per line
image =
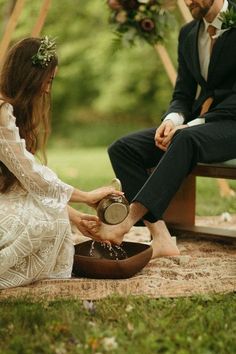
column 101, row 263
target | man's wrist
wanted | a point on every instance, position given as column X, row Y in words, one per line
column 176, row 118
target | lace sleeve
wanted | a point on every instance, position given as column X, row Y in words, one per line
column 41, row 182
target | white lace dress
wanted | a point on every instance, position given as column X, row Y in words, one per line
column 35, row 232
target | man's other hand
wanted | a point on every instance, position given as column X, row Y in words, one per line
column 162, row 133
column 165, row 133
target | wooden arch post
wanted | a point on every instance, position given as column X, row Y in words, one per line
column 41, row 18
column 13, row 20
column 161, row 50
column 10, row 27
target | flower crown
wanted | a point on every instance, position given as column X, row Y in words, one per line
column 45, row 53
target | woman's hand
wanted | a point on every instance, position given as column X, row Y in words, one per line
column 77, row 219
column 93, row 197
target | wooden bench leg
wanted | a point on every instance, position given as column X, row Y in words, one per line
column 180, row 215
column 182, row 208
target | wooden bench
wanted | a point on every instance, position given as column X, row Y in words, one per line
column 180, row 215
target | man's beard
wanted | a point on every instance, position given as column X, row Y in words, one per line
column 198, row 11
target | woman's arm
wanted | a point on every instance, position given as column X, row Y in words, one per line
column 92, row 197
column 40, row 181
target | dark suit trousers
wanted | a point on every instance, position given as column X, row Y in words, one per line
column 132, row 156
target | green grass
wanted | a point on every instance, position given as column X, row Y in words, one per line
column 209, row 201
column 83, row 168
column 203, row 325
column 137, row 325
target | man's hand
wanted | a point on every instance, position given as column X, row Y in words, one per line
column 168, row 139
column 165, row 133
column 162, row 133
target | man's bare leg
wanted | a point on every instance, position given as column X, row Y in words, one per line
column 162, row 243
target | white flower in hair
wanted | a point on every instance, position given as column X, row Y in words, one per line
column 45, row 53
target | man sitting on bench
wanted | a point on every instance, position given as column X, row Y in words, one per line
column 199, row 126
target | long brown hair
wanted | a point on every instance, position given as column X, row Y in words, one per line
column 22, row 84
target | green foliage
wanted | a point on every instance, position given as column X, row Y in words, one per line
column 135, row 324
column 228, row 18
column 94, row 82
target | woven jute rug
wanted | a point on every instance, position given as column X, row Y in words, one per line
column 204, row 267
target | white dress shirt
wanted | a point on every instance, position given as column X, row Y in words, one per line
column 204, row 42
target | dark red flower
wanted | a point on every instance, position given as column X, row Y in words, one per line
column 147, row 24
column 114, row 4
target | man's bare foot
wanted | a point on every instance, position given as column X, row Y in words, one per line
column 162, row 244
column 104, row 232
column 115, row 233
column 164, row 249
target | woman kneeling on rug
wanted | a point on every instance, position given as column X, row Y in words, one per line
column 35, row 228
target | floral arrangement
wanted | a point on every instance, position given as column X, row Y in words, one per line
column 133, row 19
column 228, row 19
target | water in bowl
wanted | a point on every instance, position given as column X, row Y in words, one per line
column 107, row 250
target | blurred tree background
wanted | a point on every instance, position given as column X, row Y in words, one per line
column 99, row 94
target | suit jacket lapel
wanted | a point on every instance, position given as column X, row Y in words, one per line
column 216, row 51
